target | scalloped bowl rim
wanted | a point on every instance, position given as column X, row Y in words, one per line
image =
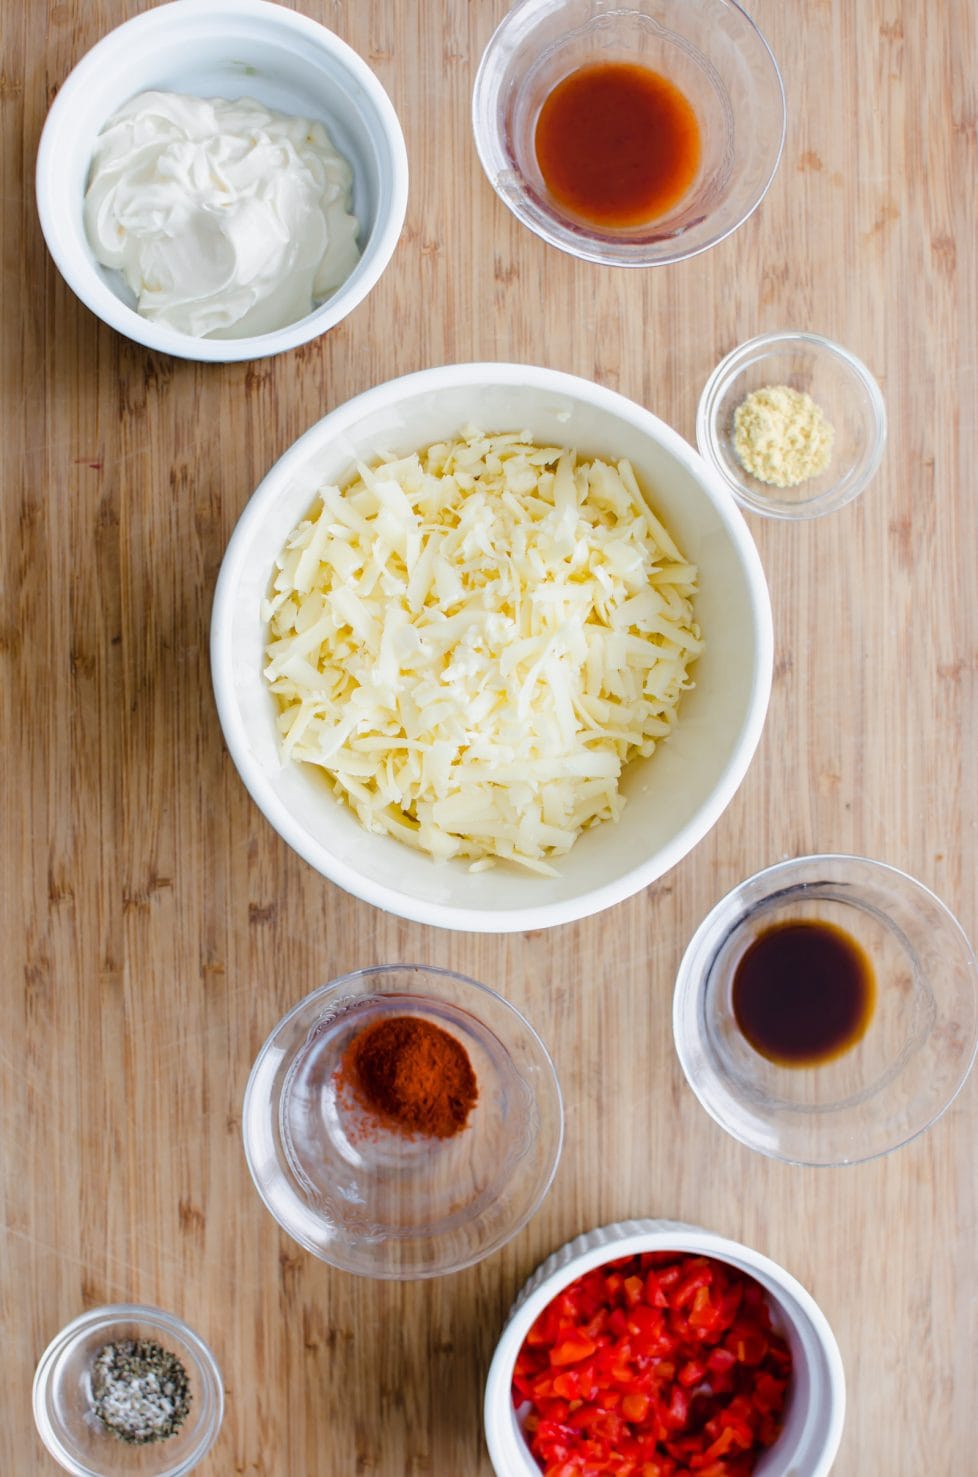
column 625, row 1238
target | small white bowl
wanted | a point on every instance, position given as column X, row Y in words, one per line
column 673, row 798
column 816, row 1405
column 232, row 49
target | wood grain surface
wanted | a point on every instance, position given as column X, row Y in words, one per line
column 153, row 925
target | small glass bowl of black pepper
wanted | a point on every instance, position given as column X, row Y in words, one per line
column 794, row 424
column 128, row 1391
column 826, row 1010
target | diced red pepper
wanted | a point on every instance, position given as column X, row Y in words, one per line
column 635, row 1407
column 571, row 1349
column 721, row 1361
column 654, row 1366
column 634, row 1289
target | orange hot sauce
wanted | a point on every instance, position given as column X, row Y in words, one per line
column 617, row 144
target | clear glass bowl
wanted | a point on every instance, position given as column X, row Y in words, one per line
column 710, row 49
column 890, row 1085
column 836, row 380
column 63, row 1405
column 379, row 1203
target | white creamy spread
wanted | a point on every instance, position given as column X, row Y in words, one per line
column 225, row 219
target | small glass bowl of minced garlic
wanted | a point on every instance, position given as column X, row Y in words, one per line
column 126, row 1390
column 794, row 424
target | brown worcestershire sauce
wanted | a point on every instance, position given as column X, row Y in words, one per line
column 617, row 144
column 803, row 993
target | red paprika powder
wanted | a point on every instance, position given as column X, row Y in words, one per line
column 413, row 1076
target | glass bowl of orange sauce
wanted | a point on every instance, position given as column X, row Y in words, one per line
column 826, row 1010
column 632, row 134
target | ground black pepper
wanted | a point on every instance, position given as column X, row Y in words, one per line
column 140, row 1391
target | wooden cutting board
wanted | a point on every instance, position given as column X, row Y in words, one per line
column 155, row 927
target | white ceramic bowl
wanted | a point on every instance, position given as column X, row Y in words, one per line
column 816, row 1405
column 232, row 49
column 673, row 798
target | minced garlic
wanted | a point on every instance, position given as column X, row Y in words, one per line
column 781, row 436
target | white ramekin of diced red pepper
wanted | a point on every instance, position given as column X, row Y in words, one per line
column 650, row 1348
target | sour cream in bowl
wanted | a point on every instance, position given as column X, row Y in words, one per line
column 221, row 179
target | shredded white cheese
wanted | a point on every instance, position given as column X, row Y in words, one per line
column 474, row 640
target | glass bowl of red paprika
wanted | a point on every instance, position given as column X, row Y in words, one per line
column 403, row 1122
column 654, row 1345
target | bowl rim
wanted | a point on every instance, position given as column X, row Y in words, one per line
column 81, row 275
column 106, row 1316
column 604, row 250
column 439, row 914
column 773, row 505
column 625, row 1238
column 272, row 1045
column 687, row 988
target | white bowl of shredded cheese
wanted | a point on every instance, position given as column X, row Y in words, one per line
column 221, row 179
column 449, row 674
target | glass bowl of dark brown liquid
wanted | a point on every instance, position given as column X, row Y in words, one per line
column 633, row 133
column 826, row 1010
